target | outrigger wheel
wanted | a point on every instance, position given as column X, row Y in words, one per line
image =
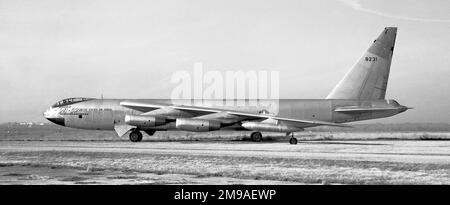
column 293, row 140
column 256, row 136
column 135, row 136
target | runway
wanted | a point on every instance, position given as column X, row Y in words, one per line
column 231, row 162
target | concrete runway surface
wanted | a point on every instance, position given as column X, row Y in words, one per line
column 225, row 162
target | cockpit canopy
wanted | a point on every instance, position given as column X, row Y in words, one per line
column 69, row 101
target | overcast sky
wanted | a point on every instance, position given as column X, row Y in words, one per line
column 54, row 49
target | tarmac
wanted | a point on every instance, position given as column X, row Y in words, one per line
column 225, row 162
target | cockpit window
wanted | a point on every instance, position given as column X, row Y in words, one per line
column 69, row 101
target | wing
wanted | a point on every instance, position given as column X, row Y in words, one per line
column 225, row 115
column 148, row 107
column 306, row 122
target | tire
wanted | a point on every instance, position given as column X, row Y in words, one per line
column 293, row 140
column 256, row 136
column 135, row 136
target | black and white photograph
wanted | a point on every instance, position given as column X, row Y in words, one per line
column 254, row 93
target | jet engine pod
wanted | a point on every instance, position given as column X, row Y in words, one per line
column 267, row 127
column 143, row 121
column 196, row 125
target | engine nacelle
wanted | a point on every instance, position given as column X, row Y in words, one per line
column 143, row 121
column 196, row 125
column 267, row 127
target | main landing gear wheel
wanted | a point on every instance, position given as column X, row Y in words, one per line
column 293, row 140
column 135, row 136
column 256, row 136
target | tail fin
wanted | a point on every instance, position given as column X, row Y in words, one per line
column 368, row 78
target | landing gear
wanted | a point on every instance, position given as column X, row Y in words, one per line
column 293, row 140
column 135, row 136
column 256, row 136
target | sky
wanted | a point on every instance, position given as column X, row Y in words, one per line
column 55, row 49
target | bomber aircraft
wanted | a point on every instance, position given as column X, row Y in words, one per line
column 360, row 95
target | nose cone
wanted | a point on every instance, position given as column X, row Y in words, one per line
column 53, row 115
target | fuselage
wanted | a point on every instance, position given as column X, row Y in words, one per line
column 103, row 114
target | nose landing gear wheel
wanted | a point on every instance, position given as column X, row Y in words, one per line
column 256, row 136
column 135, row 136
column 293, row 140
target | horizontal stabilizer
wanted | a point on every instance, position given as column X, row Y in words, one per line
column 364, row 109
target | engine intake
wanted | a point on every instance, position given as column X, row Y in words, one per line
column 143, row 121
column 196, row 125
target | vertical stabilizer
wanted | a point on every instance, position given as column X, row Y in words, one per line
column 367, row 80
